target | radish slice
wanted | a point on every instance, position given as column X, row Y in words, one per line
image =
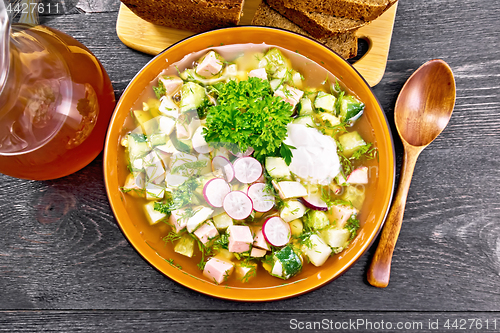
column 222, row 163
column 358, row 176
column 237, row 205
column 315, row 202
column 247, row 169
column 262, row 200
column 247, row 152
column 276, row 231
column 215, row 190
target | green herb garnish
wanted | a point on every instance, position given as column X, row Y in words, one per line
column 366, row 152
column 352, row 225
column 139, row 137
column 160, row 90
column 248, row 115
column 181, row 197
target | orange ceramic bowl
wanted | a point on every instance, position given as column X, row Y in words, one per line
column 146, row 242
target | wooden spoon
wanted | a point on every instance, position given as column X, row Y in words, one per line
column 422, row 111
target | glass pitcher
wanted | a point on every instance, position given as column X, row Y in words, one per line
column 56, row 100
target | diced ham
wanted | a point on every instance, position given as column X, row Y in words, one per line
column 240, row 238
column 340, row 214
column 258, row 72
column 289, row 94
column 177, row 221
column 209, row 66
column 206, row 232
column 260, row 241
column 218, row 270
column 171, row 84
column 257, row 253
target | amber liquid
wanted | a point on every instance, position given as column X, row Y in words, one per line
column 55, row 107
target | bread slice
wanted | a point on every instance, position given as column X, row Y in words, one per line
column 317, row 24
column 366, row 10
column 345, row 44
column 192, row 15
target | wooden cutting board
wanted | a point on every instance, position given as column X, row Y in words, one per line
column 152, row 39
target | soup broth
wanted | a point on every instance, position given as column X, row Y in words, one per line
column 161, row 235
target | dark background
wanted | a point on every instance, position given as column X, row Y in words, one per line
column 66, row 266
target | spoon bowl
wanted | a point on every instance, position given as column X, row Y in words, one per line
column 423, row 109
column 425, row 104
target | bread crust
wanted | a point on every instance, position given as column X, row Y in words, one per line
column 366, row 10
column 345, row 44
column 319, row 25
column 192, row 15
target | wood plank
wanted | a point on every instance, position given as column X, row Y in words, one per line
column 254, row 321
column 378, row 34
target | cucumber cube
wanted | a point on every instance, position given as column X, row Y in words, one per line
column 336, row 238
column 273, row 61
column 330, row 118
column 185, row 245
column 351, row 142
column 192, row 96
column 276, row 167
column 152, row 215
column 222, row 221
column 137, row 146
column 275, row 84
column 317, row 219
column 351, row 108
column 305, row 106
column 290, row 261
column 157, row 139
column 304, row 120
column 292, row 210
column 317, row 250
column 354, row 195
column 325, row 102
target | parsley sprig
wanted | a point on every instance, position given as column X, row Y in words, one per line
column 248, row 115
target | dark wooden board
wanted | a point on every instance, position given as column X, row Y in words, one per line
column 66, row 266
column 256, row 321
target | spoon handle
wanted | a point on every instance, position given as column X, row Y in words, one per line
column 380, row 268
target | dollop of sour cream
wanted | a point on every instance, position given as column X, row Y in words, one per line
column 315, row 159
